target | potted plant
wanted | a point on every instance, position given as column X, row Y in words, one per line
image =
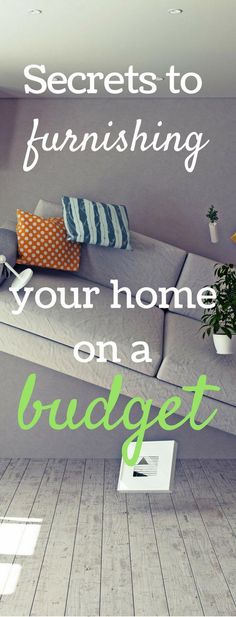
column 220, row 320
column 212, row 215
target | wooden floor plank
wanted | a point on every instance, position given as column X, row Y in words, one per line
column 148, row 588
column 43, row 508
column 102, row 552
column 21, row 504
column 223, row 472
column 219, row 475
column 213, row 591
column 84, row 587
column 219, row 531
column 51, row 592
column 16, row 521
column 116, row 582
column 181, row 590
column 9, row 482
column 4, row 462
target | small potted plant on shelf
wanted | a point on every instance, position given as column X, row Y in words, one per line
column 220, row 321
column 212, row 215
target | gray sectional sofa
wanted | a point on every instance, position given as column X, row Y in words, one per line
column 43, row 341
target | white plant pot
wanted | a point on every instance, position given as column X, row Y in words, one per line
column 214, row 232
column 223, row 344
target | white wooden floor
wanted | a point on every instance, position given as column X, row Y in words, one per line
column 70, row 545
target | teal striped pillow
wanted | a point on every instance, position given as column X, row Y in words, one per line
column 96, row 223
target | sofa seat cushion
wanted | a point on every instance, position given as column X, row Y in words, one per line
column 123, row 326
column 187, row 355
column 52, row 355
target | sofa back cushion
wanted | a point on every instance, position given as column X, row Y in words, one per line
column 47, row 209
column 150, row 263
column 198, row 272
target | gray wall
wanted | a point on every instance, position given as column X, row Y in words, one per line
column 163, row 200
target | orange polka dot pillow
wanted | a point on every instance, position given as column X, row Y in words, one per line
column 43, row 242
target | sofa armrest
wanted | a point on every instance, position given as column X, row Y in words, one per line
column 8, row 247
